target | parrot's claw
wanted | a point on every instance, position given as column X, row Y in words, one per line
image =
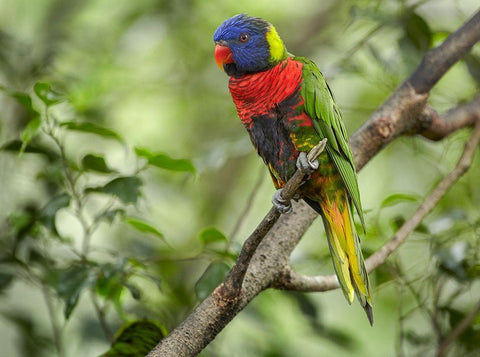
column 306, row 166
column 283, row 206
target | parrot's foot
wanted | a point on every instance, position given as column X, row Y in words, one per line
column 283, row 206
column 306, row 166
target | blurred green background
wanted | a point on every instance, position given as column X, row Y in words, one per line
column 145, row 70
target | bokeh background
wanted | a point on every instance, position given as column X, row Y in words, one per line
column 145, row 70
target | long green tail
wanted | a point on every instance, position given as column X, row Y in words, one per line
column 345, row 249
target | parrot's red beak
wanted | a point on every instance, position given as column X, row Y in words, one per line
column 223, row 55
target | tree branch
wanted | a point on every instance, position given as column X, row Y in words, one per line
column 290, row 280
column 404, row 113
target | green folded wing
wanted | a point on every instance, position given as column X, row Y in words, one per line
column 321, row 107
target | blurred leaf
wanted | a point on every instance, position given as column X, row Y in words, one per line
column 134, row 290
column 211, row 235
column 37, row 257
column 383, row 275
column 165, row 162
column 417, row 31
column 16, row 146
column 306, row 305
column 473, row 66
column 396, row 222
column 416, row 339
column 95, row 163
column 126, row 188
column 396, row 198
column 210, row 279
column 22, row 223
column 30, row 132
column 470, row 336
column 49, row 212
column 26, row 102
column 70, row 284
column 32, row 338
column 91, row 128
column 5, row 280
column 224, row 254
column 452, row 260
column 136, row 339
column 46, row 94
column 473, row 271
column 142, row 226
column 110, row 215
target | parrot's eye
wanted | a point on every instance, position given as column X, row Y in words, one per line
column 243, row 37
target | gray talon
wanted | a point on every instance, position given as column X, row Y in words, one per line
column 283, row 206
column 306, row 166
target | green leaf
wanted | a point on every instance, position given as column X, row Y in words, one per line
column 16, row 146
column 110, row 215
column 109, row 280
column 164, row 161
column 30, row 132
column 396, row 198
column 70, row 284
column 5, row 280
column 92, row 128
column 473, row 65
column 210, row 279
column 211, row 235
column 134, row 291
column 26, row 102
column 383, row 275
column 126, row 188
column 142, row 226
column 136, row 339
column 417, row 31
column 397, row 221
column 46, row 94
column 453, row 260
column 91, row 162
column 49, row 212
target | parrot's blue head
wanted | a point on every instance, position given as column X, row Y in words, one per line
column 246, row 44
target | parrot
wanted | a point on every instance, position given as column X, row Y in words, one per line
column 287, row 108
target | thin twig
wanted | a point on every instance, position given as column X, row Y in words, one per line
column 101, row 317
column 248, row 204
column 57, row 335
column 459, row 329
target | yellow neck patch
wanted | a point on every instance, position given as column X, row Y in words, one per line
column 278, row 52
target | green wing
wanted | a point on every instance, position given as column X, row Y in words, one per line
column 321, row 107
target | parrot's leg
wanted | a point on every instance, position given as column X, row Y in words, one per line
column 283, row 206
column 305, row 165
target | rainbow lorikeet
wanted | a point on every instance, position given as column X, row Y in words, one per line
column 287, row 108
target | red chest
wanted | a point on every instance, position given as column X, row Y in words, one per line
column 258, row 94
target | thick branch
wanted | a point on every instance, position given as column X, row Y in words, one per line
column 399, row 115
column 435, row 127
column 293, row 281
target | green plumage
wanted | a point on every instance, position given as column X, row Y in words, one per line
column 326, row 118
